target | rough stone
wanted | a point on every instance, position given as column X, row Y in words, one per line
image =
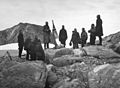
column 24, row 75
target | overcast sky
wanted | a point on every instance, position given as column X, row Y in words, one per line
column 71, row 13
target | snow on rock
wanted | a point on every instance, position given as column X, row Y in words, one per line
column 79, row 52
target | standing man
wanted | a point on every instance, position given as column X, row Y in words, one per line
column 27, row 46
column 75, row 39
column 20, row 42
column 92, row 32
column 63, row 35
column 99, row 29
column 84, row 37
column 46, row 35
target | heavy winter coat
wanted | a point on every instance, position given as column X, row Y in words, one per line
column 92, row 31
column 84, row 36
column 99, row 28
column 63, row 35
column 46, row 34
column 27, row 44
column 20, row 39
column 75, row 37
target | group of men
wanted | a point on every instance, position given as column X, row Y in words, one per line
column 95, row 31
column 33, row 47
column 35, row 50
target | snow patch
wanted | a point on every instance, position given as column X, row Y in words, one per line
column 98, row 68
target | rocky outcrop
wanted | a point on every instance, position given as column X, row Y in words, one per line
column 58, row 53
column 24, row 75
column 112, row 38
column 84, row 68
column 88, row 67
column 72, row 76
column 101, row 52
column 105, row 76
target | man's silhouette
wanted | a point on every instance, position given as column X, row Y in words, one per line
column 20, row 42
column 75, row 39
column 84, row 37
column 27, row 45
column 99, row 29
column 46, row 35
column 92, row 32
column 63, row 35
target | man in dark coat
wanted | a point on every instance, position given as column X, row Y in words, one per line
column 39, row 52
column 46, row 35
column 84, row 37
column 27, row 46
column 99, row 29
column 36, row 51
column 20, row 42
column 63, row 35
column 75, row 39
column 92, row 32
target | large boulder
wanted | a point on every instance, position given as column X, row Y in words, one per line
column 80, row 52
column 66, row 60
column 105, row 76
column 71, row 59
column 64, row 51
column 24, row 75
column 49, row 55
column 101, row 52
column 117, row 48
column 5, row 64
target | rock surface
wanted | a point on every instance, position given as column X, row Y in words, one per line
column 105, row 76
column 24, row 75
column 101, row 52
column 71, row 76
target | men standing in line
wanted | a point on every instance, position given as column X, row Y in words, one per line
column 20, row 42
column 99, row 29
column 63, row 35
column 46, row 35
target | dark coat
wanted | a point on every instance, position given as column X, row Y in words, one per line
column 92, row 31
column 99, row 28
column 27, row 44
column 75, row 37
column 84, row 36
column 40, row 55
column 46, row 34
column 20, row 39
column 63, row 35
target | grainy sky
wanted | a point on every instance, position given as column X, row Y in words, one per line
column 71, row 13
